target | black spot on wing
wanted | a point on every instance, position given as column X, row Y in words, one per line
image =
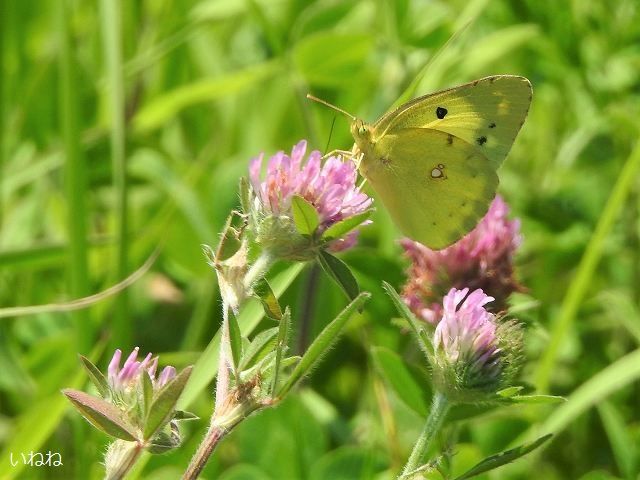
column 449, row 139
column 492, row 125
column 481, row 140
column 441, row 112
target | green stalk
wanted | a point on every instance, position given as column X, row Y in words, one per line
column 438, row 412
column 580, row 284
column 76, row 192
column 111, row 31
column 75, row 180
column 3, row 46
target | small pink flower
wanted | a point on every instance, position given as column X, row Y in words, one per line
column 475, row 353
column 467, row 334
column 482, row 259
column 329, row 187
column 127, row 379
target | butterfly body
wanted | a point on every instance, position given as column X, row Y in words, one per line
column 433, row 160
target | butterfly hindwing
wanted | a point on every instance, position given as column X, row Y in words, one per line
column 436, row 186
column 486, row 113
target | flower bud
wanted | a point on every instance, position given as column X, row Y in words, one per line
column 475, row 353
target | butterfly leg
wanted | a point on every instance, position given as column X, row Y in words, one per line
column 343, row 153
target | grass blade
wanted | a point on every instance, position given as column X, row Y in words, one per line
column 111, row 31
column 579, row 286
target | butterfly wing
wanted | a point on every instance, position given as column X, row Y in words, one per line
column 486, row 113
column 435, row 185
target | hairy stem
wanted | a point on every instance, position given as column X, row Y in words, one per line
column 206, row 448
column 439, row 409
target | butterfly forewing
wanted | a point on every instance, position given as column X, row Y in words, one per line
column 436, row 186
column 487, row 114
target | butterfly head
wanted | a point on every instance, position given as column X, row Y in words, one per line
column 361, row 133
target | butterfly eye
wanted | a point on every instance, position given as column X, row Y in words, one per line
column 362, row 130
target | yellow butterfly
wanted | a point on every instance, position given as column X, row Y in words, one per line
column 433, row 160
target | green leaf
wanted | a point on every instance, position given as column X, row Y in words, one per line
column 417, row 327
column 164, row 404
column 305, row 216
column 147, row 391
column 322, row 343
column 102, row 415
column 347, row 463
column 343, row 227
column 262, row 290
column 235, row 340
column 509, row 391
column 533, row 399
column 396, row 374
column 612, row 378
column 508, row 456
column 245, row 195
column 340, row 273
column 330, row 58
column 181, row 415
column 163, row 442
column 620, row 438
column 166, row 107
column 281, row 347
column 578, row 287
column 96, row 376
column 255, row 350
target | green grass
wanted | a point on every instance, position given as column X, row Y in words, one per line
column 125, row 126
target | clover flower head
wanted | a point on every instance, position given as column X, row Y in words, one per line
column 482, row 259
column 330, row 187
column 475, row 352
column 126, row 380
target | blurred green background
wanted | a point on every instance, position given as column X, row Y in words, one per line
column 127, row 124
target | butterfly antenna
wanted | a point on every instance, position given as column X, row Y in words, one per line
column 333, row 122
column 332, row 107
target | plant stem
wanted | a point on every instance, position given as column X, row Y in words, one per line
column 206, row 448
column 222, row 422
column 222, row 382
column 257, row 269
column 439, row 409
column 111, row 25
column 128, row 460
